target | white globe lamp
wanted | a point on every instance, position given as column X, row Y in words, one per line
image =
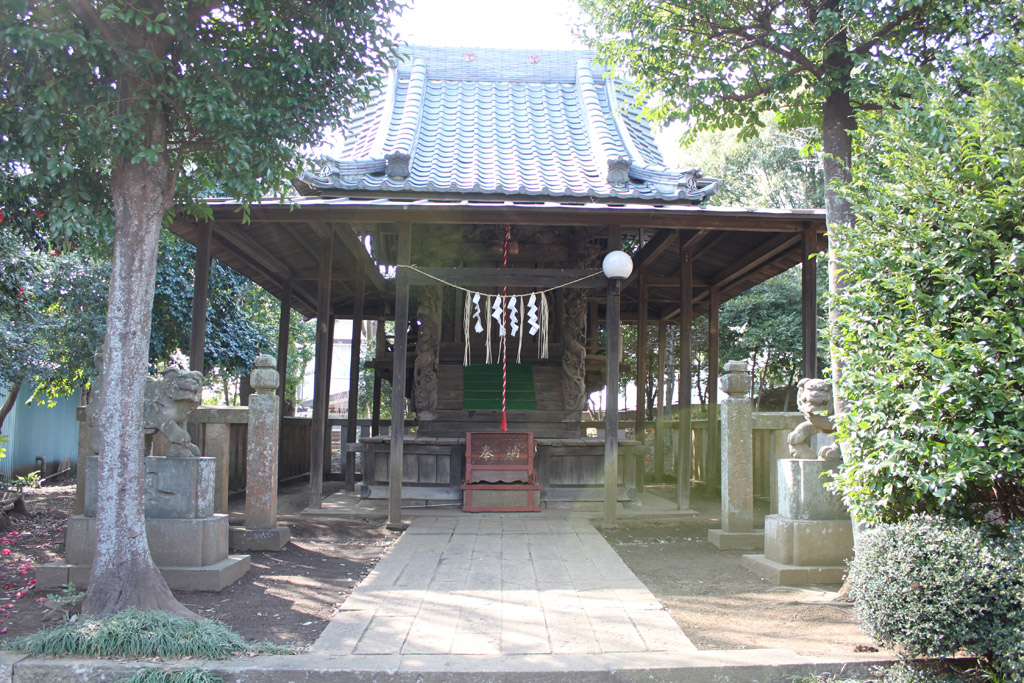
column 617, row 265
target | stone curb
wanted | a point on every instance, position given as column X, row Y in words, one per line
column 709, row 666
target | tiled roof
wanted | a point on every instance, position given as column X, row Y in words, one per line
column 504, row 122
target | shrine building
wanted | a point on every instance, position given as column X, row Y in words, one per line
column 473, row 204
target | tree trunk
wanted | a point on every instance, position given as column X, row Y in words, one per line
column 8, row 406
column 123, row 572
column 837, row 126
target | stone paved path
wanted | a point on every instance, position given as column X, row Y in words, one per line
column 501, row 586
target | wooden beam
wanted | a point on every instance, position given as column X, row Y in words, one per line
column 529, row 211
column 753, row 259
column 369, row 270
column 512, row 277
column 669, row 281
column 395, row 464
column 252, row 250
column 353, row 381
column 200, row 296
column 809, row 302
column 691, row 243
column 324, row 346
column 270, row 275
column 699, row 254
column 650, row 251
column 685, row 379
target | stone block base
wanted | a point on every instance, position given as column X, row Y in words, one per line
column 172, row 542
column 212, row 578
column 247, row 540
column 791, row 574
column 725, row 540
column 808, row 542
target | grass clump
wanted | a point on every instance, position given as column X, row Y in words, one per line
column 154, row 675
column 133, row 634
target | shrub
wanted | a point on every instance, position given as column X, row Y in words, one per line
column 914, row 672
column 938, row 587
column 133, row 634
column 930, row 327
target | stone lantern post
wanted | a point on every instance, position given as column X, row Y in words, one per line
column 737, row 532
column 261, row 531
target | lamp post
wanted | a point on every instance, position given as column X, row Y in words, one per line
column 617, row 266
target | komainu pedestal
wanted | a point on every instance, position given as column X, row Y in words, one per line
column 811, row 538
column 189, row 543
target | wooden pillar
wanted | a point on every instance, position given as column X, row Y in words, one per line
column 321, row 376
column 809, row 302
column 714, row 452
column 611, row 413
column 685, row 379
column 613, row 332
column 659, row 424
column 283, row 334
column 378, row 381
column 353, row 381
column 328, row 458
column 395, row 464
column 641, row 382
column 641, row 360
column 200, row 296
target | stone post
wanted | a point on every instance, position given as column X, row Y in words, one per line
column 737, row 532
column 261, row 531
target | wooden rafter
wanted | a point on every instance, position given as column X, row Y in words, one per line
column 753, row 259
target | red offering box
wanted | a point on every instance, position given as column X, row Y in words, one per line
column 500, row 458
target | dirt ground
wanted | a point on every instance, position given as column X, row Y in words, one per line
column 288, row 597
column 721, row 605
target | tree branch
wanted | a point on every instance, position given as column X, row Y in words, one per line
column 885, row 31
column 8, row 405
column 87, row 14
column 764, row 90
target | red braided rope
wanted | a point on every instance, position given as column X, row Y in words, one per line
column 504, row 338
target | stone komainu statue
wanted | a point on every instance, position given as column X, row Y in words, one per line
column 168, row 401
column 814, row 400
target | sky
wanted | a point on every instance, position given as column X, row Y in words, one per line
column 522, row 24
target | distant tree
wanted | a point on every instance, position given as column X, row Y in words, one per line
column 764, row 326
column 368, row 353
column 114, row 108
column 52, row 307
column 933, row 336
column 770, row 169
column 241, row 317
